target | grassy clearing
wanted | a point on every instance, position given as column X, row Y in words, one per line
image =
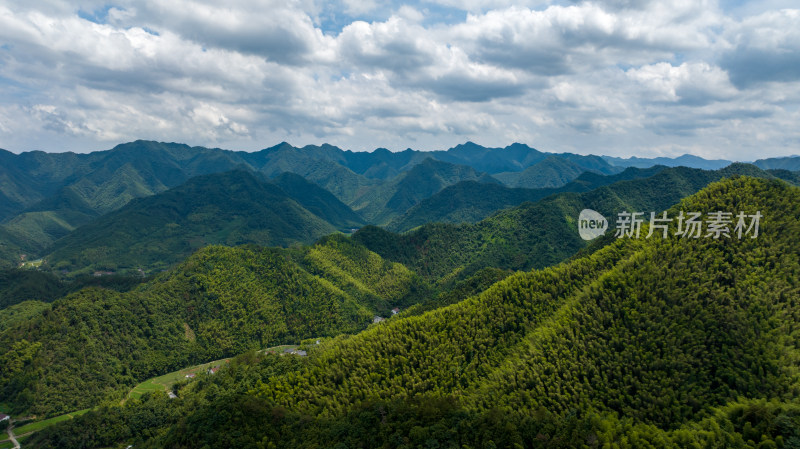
column 6, row 445
column 167, row 381
column 39, row 425
column 3, row 436
column 147, row 386
column 164, row 383
column 32, row 264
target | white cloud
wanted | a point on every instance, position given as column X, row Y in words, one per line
column 694, row 83
column 277, row 30
column 612, row 76
column 764, row 48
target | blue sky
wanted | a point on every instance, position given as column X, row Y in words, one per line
column 719, row 79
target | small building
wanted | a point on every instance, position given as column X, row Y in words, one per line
column 190, row 376
column 299, row 352
column 4, row 417
column 395, row 311
column 172, row 395
column 213, row 369
column 377, row 319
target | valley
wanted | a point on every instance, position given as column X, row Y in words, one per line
column 497, row 321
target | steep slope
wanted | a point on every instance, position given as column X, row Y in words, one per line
column 515, row 157
column 23, row 285
column 533, row 235
column 57, row 192
column 322, row 165
column 713, row 324
column 470, row 202
column 38, row 226
column 96, row 344
column 551, row 172
column 382, row 203
column 791, row 163
column 106, row 180
column 674, row 342
column 36, row 187
column 21, row 312
column 465, row 202
column 229, row 208
column 318, row 201
column 793, row 177
column 9, row 252
column 30, row 177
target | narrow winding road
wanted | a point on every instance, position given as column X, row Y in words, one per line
column 12, row 437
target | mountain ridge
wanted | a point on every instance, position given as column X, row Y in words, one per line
column 670, row 343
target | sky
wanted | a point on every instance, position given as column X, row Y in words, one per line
column 717, row 79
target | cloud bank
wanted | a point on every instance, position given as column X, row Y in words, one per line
column 618, row 77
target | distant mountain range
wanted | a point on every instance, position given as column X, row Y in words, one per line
column 230, row 208
column 470, row 202
column 432, row 299
column 47, row 197
column 670, row 343
column 536, row 234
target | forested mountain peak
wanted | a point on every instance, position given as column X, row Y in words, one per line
column 230, row 208
column 654, row 331
column 659, row 342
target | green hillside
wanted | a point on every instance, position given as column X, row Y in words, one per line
column 49, row 195
column 470, row 202
column 791, row 163
column 230, row 208
column 17, row 285
column 792, row 177
column 551, row 172
column 21, row 312
column 674, row 342
column 380, row 204
column 44, row 196
column 96, row 344
column 533, row 235
column 318, row 201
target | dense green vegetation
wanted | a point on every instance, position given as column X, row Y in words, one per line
column 552, row 172
column 18, row 285
column 643, row 343
column 46, row 196
column 618, row 343
column 231, row 208
column 382, row 203
column 791, row 163
column 713, row 324
column 96, row 344
column 792, row 177
column 218, row 412
column 318, row 201
column 470, row 202
column 21, row 312
column 235, row 208
column 533, row 235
